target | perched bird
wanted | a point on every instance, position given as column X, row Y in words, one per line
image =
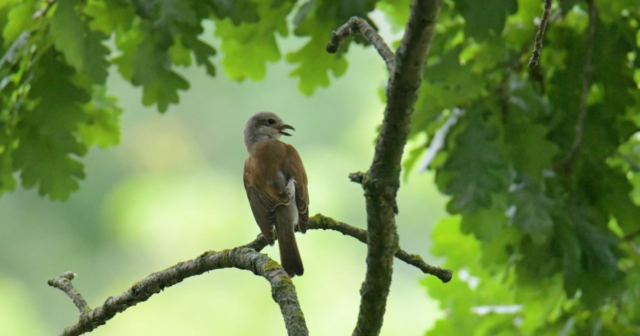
column 276, row 185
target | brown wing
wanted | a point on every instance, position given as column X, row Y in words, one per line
column 292, row 167
column 264, row 186
column 262, row 212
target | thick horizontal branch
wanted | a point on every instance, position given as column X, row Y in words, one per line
column 356, row 26
column 282, row 288
column 321, row 222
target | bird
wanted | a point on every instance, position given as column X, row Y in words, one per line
column 276, row 184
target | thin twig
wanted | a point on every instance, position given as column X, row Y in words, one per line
column 325, row 223
column 11, row 55
column 321, row 222
column 356, row 26
column 514, row 65
column 568, row 160
column 43, row 11
column 631, row 236
column 63, row 283
column 537, row 48
column 503, row 88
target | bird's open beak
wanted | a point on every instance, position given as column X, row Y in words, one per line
column 285, row 127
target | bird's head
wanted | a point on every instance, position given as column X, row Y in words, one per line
column 264, row 126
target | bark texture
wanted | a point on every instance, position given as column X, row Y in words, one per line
column 382, row 181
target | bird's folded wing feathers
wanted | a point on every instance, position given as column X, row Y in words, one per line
column 263, row 211
column 294, row 168
column 263, row 201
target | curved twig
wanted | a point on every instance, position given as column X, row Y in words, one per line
column 320, row 222
column 283, row 291
column 63, row 283
column 356, row 26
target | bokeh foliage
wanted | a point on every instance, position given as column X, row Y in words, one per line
column 540, row 245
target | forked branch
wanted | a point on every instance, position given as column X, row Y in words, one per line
column 321, row 222
column 245, row 257
column 382, row 181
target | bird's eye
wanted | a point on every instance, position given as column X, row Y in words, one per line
column 271, row 121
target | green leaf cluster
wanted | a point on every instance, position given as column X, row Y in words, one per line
column 56, row 57
column 543, row 220
column 314, row 19
column 53, row 73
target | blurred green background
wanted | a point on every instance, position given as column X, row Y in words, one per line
column 173, row 189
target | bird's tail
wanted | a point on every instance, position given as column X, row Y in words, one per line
column 289, row 255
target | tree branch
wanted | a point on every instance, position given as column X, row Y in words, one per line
column 356, row 26
column 282, row 288
column 63, row 283
column 43, row 11
column 537, row 48
column 356, row 177
column 321, row 222
column 244, row 257
column 568, row 160
column 382, row 181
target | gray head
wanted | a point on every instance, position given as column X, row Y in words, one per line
column 264, row 126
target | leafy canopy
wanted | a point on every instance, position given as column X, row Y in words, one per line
column 555, row 238
column 56, row 56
